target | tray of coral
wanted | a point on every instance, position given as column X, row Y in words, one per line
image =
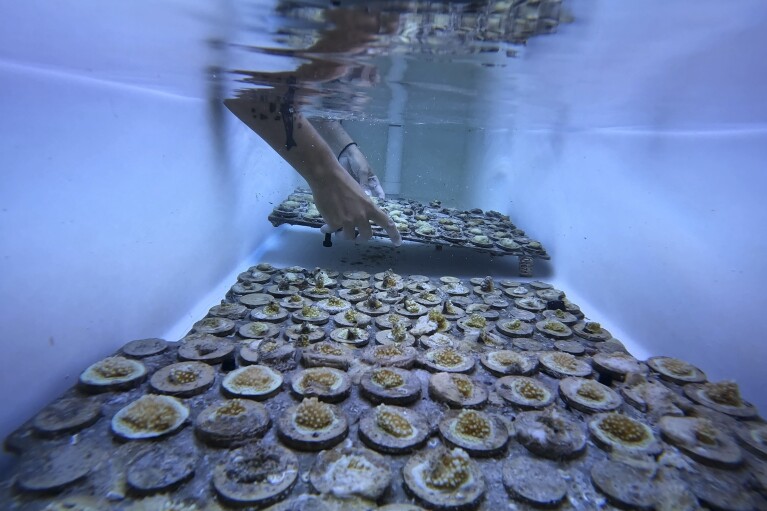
column 348, row 390
column 484, row 231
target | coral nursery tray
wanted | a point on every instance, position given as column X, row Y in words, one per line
column 484, row 231
column 314, row 389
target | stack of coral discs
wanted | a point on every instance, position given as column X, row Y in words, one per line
column 309, row 388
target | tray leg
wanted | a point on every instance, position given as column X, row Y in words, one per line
column 526, row 266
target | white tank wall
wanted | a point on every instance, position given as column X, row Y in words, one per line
column 123, row 202
column 635, row 150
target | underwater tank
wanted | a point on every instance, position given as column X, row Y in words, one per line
column 572, row 321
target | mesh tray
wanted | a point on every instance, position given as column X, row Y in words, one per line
column 449, row 226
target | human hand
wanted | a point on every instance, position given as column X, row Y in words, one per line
column 357, row 165
column 343, row 205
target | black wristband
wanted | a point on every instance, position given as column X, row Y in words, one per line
column 345, row 148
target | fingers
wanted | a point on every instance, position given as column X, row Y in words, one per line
column 387, row 223
column 349, row 233
column 375, row 187
column 326, row 229
column 366, row 232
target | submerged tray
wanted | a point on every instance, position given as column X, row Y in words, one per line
column 563, row 415
column 483, row 231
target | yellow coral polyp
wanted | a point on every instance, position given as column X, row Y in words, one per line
column 591, row 391
column 272, row 309
column 513, row 325
column 623, row 429
column 411, row 306
column 448, row 357
column 555, row 326
column 439, row 319
column 398, row 332
column 150, row 414
column 472, row 424
column 393, row 423
column 593, row 327
column 507, row 359
column 463, row 384
column 336, row 302
column 724, row 393
column 705, row 432
column 269, row 346
column 114, row 367
column 387, row 378
column 566, row 361
column 449, row 472
column 390, row 350
column 254, row 378
column 351, row 316
column 476, row 321
column 327, row 349
column 231, row 408
column 313, row 414
column 182, row 376
column 309, row 311
column 677, row 367
column 322, row 379
column 530, row 390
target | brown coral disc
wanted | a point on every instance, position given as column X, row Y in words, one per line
column 617, row 432
column 524, row 392
column 476, row 432
column 141, row 348
column 390, row 355
column 54, row 467
column 257, row 382
column 591, row 331
column 588, row 395
column 393, row 429
column 728, row 402
column 457, row 390
column 67, row 415
column 351, row 472
column 228, row 310
column 232, row 422
column 551, row 434
column 183, row 379
column 447, row 360
column 554, row 329
column 214, row 326
column 205, row 348
column 255, row 475
column 327, row 354
column 509, row 363
column 562, row 365
column 534, row 481
column 390, row 385
column 150, row 416
column 514, row 328
column 676, row 370
column 624, row 485
column 444, row 479
column 160, row 468
column 702, row 440
column 325, row 383
column 258, row 330
column 113, row 373
column 312, row 425
column 255, row 299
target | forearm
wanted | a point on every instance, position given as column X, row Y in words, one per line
column 333, row 133
column 302, row 146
